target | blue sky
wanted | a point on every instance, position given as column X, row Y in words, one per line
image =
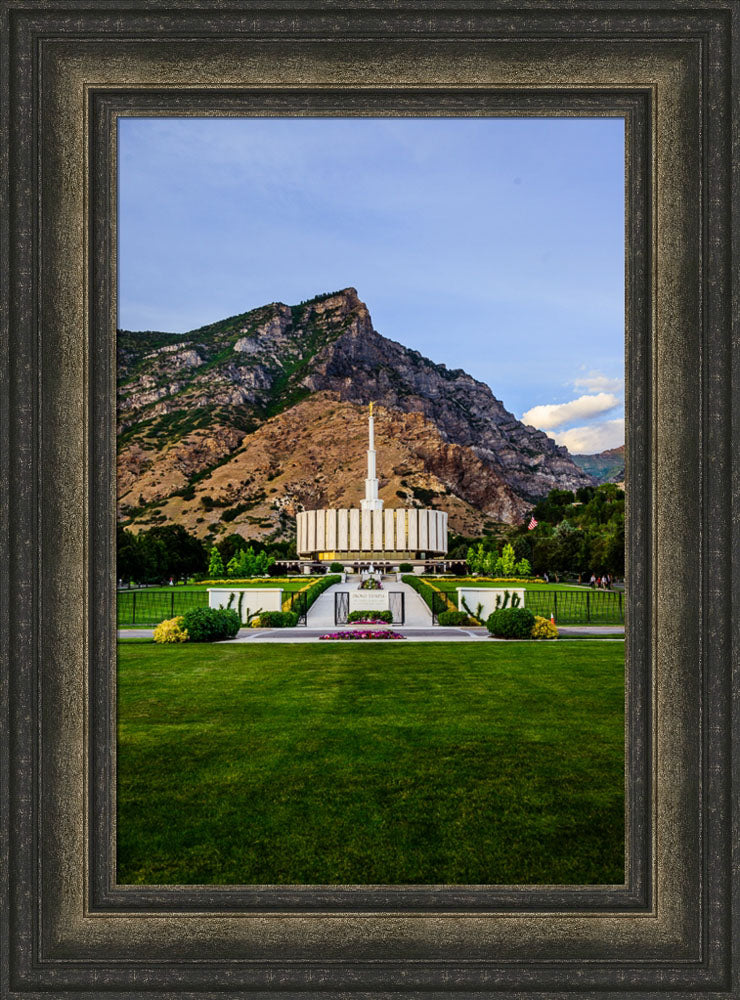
column 493, row 245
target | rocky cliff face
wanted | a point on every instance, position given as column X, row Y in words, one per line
column 228, row 427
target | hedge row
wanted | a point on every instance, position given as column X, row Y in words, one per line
column 435, row 600
column 319, row 587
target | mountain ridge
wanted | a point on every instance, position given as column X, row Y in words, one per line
column 189, row 404
column 605, row 466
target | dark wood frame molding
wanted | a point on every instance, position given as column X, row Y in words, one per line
column 69, row 70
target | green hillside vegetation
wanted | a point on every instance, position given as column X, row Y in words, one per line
column 606, row 467
column 215, row 345
column 577, row 533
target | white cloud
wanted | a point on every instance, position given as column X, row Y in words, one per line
column 598, row 382
column 591, row 439
column 550, row 416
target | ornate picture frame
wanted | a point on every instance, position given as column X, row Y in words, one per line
column 68, row 71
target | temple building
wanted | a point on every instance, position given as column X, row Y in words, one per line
column 368, row 533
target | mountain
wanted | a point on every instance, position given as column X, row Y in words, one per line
column 237, row 425
column 605, row 467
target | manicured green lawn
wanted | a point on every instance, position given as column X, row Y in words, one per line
column 410, row 763
column 448, row 584
column 287, row 583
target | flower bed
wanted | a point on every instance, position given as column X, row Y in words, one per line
column 363, row 634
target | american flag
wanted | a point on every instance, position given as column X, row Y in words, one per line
column 533, row 524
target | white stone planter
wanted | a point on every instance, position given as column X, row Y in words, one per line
column 487, row 597
column 262, row 599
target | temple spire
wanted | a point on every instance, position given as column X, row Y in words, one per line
column 372, row 501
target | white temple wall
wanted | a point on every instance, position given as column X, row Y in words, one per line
column 389, row 530
column 366, row 520
column 331, row 530
column 343, row 529
column 423, row 530
column 354, row 528
column 413, row 528
column 299, row 521
column 400, row 530
column 378, row 530
column 432, row 544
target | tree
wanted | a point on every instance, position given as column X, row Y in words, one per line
column 216, row 564
column 478, row 560
column 231, row 546
column 248, row 563
column 508, row 560
column 129, row 557
column 523, row 568
column 180, row 554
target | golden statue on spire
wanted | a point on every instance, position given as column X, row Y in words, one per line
column 371, row 409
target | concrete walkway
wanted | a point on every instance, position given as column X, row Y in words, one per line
column 321, row 612
column 429, row 633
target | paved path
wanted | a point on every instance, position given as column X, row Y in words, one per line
column 321, row 612
column 418, row 634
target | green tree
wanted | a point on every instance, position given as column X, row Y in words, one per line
column 180, row 554
column 523, row 568
column 216, row 564
column 508, row 560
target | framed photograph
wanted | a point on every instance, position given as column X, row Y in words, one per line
column 326, row 538
column 221, row 462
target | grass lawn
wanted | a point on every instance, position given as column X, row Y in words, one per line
column 452, row 763
column 450, row 585
column 287, row 583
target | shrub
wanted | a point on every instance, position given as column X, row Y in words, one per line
column 406, row 568
column 319, row 587
column 455, row 618
column 278, row 619
column 378, row 616
column 543, row 628
column 171, row 630
column 211, row 624
column 336, row 567
column 511, row 623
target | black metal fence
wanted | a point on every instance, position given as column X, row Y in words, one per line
column 578, row 607
column 437, row 604
column 150, row 607
column 396, row 601
column 299, row 604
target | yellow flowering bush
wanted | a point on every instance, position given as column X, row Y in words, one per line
column 171, row 630
column 543, row 628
